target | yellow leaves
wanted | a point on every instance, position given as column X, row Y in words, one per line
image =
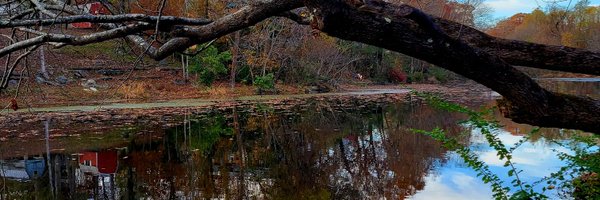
column 592, row 10
column 568, row 39
column 260, row 60
column 555, row 27
column 303, row 14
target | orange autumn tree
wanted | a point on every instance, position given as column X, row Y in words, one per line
column 507, row 26
column 577, row 27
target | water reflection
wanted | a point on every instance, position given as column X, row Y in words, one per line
column 317, row 151
column 578, row 86
column 313, row 151
column 23, row 170
column 537, row 159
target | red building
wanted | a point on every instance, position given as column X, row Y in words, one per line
column 95, row 8
column 106, row 162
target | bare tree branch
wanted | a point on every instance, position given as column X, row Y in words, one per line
column 104, row 19
column 40, row 6
column 21, row 14
column 6, row 78
column 246, row 16
column 76, row 40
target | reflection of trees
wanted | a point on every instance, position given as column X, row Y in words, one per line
column 321, row 151
column 353, row 155
column 545, row 134
column 411, row 155
column 57, row 182
column 179, row 165
column 591, row 89
column 324, row 152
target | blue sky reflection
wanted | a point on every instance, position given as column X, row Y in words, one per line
column 455, row 180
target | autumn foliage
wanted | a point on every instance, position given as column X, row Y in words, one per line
column 577, row 27
column 398, row 75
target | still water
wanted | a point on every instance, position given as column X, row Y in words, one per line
column 318, row 150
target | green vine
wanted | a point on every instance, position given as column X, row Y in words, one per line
column 581, row 168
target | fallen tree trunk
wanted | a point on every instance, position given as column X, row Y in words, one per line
column 406, row 30
column 520, row 53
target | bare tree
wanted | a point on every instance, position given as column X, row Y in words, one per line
column 396, row 27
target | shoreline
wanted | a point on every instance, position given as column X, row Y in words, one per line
column 183, row 101
column 26, row 123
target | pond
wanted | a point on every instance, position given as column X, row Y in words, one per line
column 314, row 150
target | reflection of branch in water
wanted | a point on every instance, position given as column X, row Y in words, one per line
column 373, row 158
column 4, row 190
column 130, row 183
column 242, row 154
column 344, row 158
column 49, row 159
column 190, row 164
column 104, row 188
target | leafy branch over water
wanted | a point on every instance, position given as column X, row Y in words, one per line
column 577, row 179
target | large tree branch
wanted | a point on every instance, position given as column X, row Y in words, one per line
column 76, row 40
column 170, row 20
column 42, row 8
column 187, row 36
column 246, row 16
column 398, row 28
column 520, row 53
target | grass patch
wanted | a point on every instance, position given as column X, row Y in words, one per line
column 108, row 48
column 440, row 74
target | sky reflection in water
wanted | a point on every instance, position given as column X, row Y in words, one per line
column 455, row 180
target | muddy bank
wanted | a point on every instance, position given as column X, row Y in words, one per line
column 72, row 129
column 97, row 119
column 25, row 124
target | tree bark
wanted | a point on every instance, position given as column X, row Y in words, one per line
column 104, row 19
